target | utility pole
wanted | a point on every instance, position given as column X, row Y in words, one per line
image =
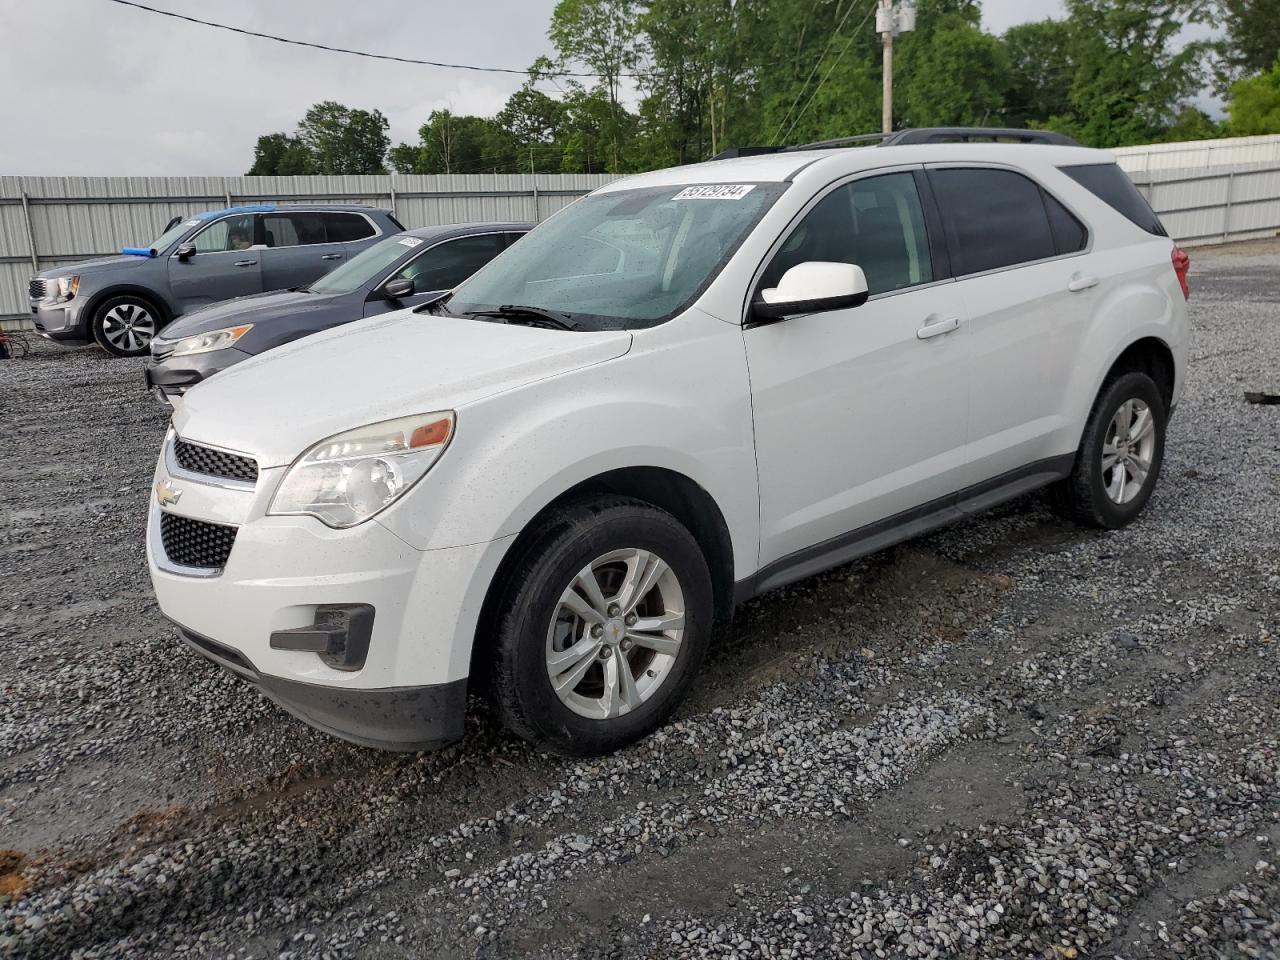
column 892, row 20
column 884, row 23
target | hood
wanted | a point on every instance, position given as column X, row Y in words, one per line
column 281, row 402
column 97, row 265
column 259, row 308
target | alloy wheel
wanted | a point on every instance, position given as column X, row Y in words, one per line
column 616, row 634
column 1128, row 451
column 128, row 327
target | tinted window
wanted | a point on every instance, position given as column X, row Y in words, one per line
column 1069, row 234
column 230, row 233
column 292, row 229
column 1109, row 183
column 446, row 266
column 993, row 219
column 345, row 227
column 876, row 223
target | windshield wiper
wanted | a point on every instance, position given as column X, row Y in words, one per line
column 537, row 316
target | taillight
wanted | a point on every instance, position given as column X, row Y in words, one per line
column 1181, row 266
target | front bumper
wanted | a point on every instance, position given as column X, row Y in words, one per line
column 59, row 321
column 407, row 691
column 394, row 718
column 168, row 378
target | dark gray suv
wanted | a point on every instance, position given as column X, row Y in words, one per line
column 122, row 302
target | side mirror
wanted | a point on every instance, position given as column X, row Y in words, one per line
column 186, row 252
column 398, row 289
column 813, row 287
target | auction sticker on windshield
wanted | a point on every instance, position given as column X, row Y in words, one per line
column 410, row 241
column 716, row 191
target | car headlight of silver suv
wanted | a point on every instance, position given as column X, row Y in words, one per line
column 62, row 289
column 208, row 342
column 346, row 479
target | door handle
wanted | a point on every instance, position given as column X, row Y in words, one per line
column 938, row 327
column 332, row 256
column 246, row 263
column 1079, row 284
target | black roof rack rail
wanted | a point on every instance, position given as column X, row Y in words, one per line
column 922, row 135
column 976, row 135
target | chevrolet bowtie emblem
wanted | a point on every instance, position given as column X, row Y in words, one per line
column 166, row 494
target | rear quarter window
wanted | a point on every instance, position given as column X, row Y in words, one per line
column 1110, row 184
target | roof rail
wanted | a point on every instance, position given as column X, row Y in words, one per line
column 975, row 135
column 914, row 137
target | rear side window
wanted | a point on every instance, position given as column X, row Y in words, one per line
column 1109, row 183
column 993, row 219
column 292, row 229
column 1069, row 234
column 346, row 227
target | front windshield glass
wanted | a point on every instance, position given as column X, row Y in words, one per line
column 623, row 259
column 365, row 267
column 175, row 233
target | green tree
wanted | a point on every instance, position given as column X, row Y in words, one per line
column 1131, row 75
column 1252, row 39
column 1041, row 71
column 1192, row 123
column 342, row 140
column 1254, row 107
column 278, row 154
column 957, row 78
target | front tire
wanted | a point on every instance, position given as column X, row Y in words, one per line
column 125, row 325
column 600, row 626
column 1120, row 455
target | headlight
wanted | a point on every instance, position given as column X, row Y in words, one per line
column 213, row 340
column 347, row 478
column 62, row 289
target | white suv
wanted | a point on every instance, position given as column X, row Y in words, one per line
column 688, row 388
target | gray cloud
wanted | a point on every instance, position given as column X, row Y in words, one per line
column 95, row 88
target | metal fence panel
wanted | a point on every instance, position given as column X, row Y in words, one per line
column 75, row 218
column 72, row 218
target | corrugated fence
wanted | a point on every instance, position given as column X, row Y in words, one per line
column 46, row 221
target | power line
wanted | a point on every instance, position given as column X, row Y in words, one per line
column 354, row 53
column 816, row 63
column 827, row 76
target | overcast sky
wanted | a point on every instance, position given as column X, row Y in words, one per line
column 91, row 87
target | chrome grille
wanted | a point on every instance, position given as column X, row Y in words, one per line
column 215, row 463
column 37, row 289
column 195, row 543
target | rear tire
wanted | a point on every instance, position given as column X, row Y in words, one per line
column 1120, row 455
column 600, row 626
column 125, row 325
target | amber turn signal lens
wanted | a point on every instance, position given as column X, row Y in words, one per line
column 430, row 434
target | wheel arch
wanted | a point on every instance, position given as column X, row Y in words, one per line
column 121, row 289
column 1150, row 355
column 664, row 488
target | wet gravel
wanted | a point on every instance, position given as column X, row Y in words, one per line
column 1011, row 738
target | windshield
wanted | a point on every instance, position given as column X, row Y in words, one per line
column 173, row 235
column 360, row 271
column 623, row 259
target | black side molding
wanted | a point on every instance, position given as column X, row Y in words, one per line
column 904, row 526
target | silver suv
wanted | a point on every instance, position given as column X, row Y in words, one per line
column 122, row 302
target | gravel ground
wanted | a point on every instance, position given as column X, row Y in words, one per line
column 1012, row 738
